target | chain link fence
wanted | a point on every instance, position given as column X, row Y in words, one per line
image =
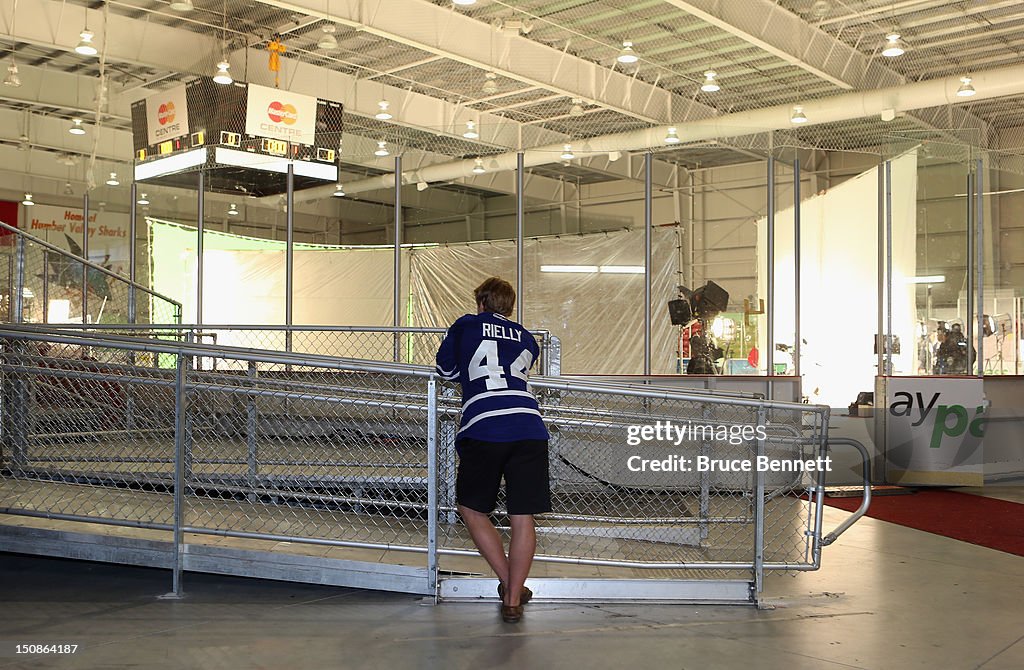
column 314, row 449
column 56, row 286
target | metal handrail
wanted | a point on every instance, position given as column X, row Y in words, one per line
column 99, row 268
column 866, row 502
column 360, row 365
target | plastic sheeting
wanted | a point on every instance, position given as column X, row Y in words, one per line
column 597, row 313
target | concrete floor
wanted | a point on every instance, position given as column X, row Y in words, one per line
column 887, row 597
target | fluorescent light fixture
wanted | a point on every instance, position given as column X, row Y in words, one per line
column 576, row 269
column 382, row 112
column 464, row 3
column 422, row 186
column 626, row 54
column 112, row 181
column 966, row 89
column 76, row 127
column 490, row 83
column 322, row 171
column 339, row 192
column 327, row 41
column 710, row 85
column 673, row 136
column 182, row 5
column 85, row 46
column 577, row 107
column 170, row 164
column 12, row 79
column 928, row 279
column 471, row 133
column 143, row 200
column 893, row 46
column 222, row 76
column 382, row 149
column 68, row 190
column 567, row 154
column 28, row 200
column 478, row 166
column 622, row 269
column 798, row 115
column 232, row 210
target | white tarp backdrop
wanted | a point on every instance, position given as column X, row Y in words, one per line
column 838, row 282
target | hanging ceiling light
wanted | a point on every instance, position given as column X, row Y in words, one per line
column 966, row 89
column 339, row 192
column 464, row 3
column 626, row 54
column 382, row 149
column 182, row 5
column 577, row 107
column 68, row 190
column 85, row 46
column 673, row 136
column 478, row 166
column 893, row 46
column 490, row 83
column 382, row 112
column 798, row 115
column 710, row 85
column 567, row 154
column 232, row 210
column 28, row 200
column 222, row 76
column 76, row 127
column 471, row 133
column 327, row 41
column 113, row 180
column 143, row 200
column 12, row 79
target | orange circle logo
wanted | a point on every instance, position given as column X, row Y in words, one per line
column 166, row 113
column 282, row 113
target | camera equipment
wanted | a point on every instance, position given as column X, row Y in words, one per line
column 700, row 305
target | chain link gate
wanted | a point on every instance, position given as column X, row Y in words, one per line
column 354, row 459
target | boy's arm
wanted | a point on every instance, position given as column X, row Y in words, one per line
column 447, row 363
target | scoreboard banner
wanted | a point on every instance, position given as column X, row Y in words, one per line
column 280, row 115
column 166, row 115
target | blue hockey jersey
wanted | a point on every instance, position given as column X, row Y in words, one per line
column 491, row 357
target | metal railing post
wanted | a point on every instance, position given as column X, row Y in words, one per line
column 200, row 215
column 46, row 287
column 132, row 213
column 180, row 430
column 398, row 257
column 250, row 434
column 18, row 302
column 759, row 511
column 289, row 255
column 432, row 510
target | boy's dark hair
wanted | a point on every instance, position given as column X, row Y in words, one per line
column 496, row 295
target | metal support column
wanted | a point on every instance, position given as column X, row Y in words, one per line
column 432, row 510
column 85, row 255
column 979, row 252
column 770, row 278
column 46, row 288
column 887, row 344
column 762, row 419
column 972, row 195
column 289, row 254
column 398, row 256
column 132, row 212
column 519, row 237
column 648, row 218
column 200, row 215
column 880, row 273
column 796, row 267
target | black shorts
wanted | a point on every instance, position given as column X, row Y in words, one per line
column 523, row 463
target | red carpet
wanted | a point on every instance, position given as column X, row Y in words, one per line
column 996, row 524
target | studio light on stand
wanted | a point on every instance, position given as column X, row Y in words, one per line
column 702, row 306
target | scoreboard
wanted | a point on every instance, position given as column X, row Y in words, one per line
column 243, row 136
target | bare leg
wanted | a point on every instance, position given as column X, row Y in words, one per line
column 487, row 540
column 520, row 555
